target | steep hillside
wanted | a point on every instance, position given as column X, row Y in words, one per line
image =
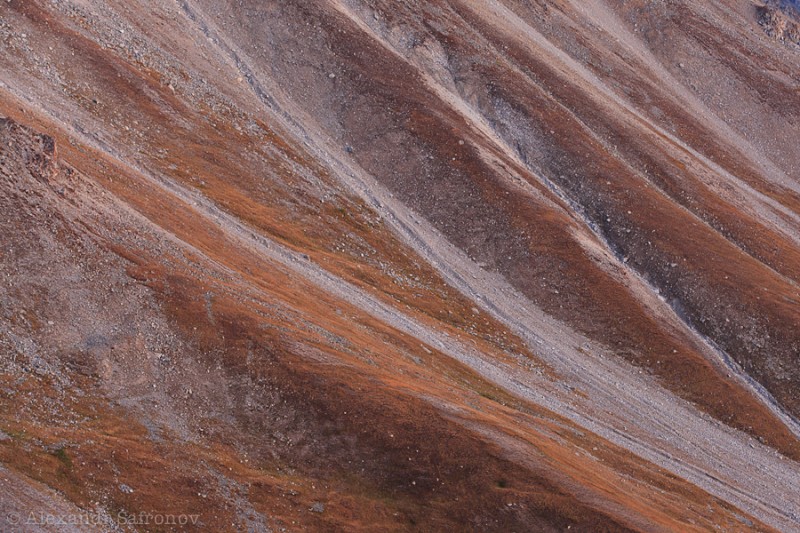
column 410, row 265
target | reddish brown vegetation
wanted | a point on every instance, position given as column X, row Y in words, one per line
column 149, row 342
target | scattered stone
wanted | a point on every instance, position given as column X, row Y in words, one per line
column 318, row 507
column 125, row 488
column 780, row 21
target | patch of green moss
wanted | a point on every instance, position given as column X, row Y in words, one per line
column 63, row 457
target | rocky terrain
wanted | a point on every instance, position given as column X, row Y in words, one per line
column 415, row 265
column 780, row 20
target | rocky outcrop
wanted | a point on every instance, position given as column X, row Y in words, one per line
column 780, row 21
column 21, row 146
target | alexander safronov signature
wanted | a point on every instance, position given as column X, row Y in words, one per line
column 95, row 519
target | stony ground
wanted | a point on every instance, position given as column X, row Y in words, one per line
column 419, row 265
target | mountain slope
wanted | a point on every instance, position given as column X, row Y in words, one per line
column 408, row 265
